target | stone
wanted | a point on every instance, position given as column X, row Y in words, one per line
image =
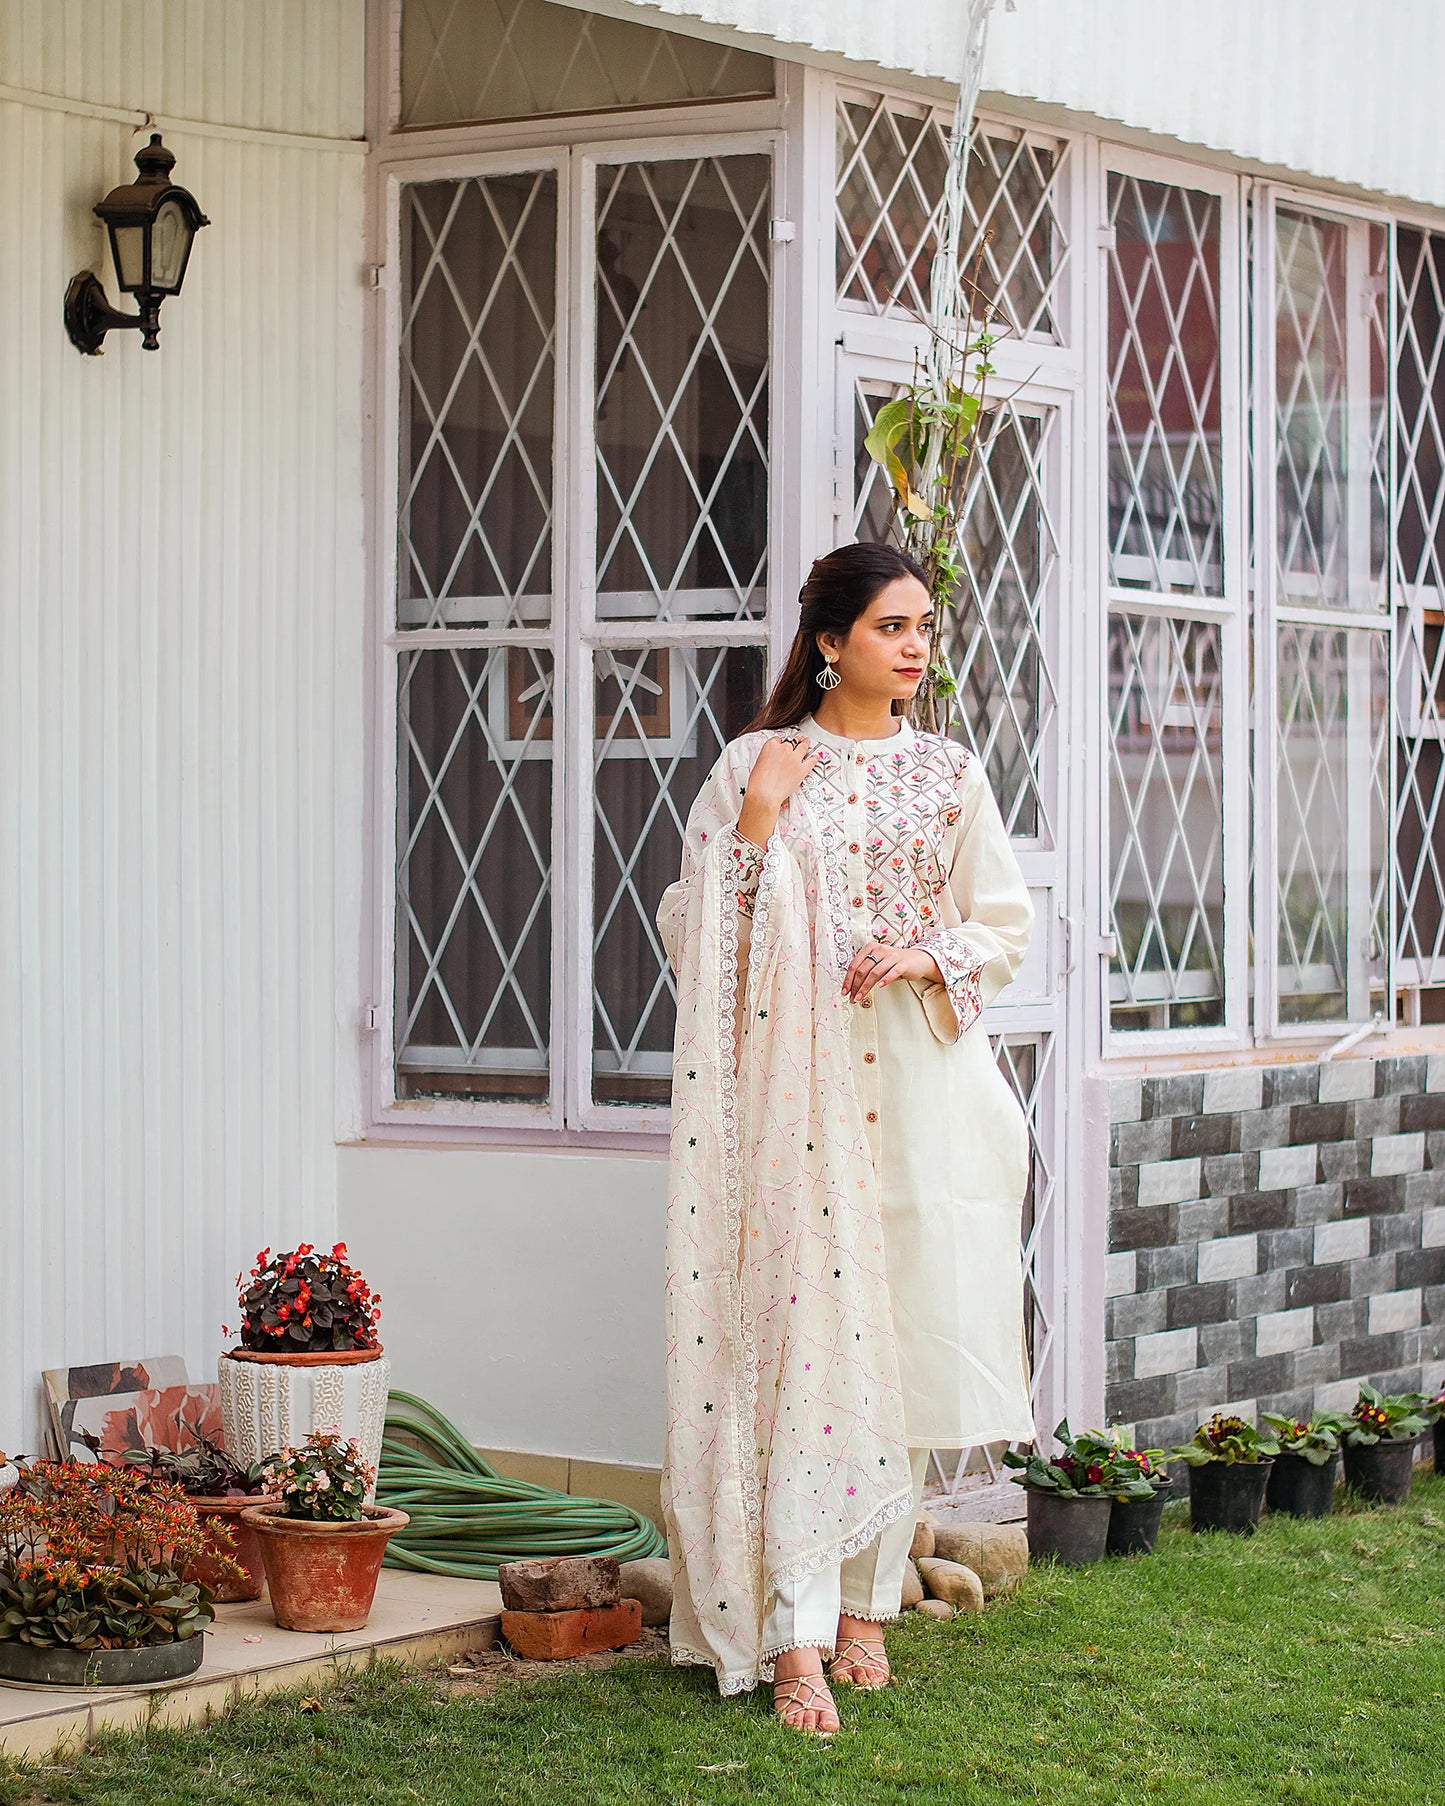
column 650, row 1582
column 912, row 1588
column 997, row 1553
column 955, row 1584
column 563, row 1583
column 936, row 1608
column 559, row 1636
column 923, row 1535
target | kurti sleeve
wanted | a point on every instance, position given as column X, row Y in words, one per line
column 983, row 952
column 712, row 829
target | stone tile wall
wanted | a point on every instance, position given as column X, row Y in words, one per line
column 1276, row 1235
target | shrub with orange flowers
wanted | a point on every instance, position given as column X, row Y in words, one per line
column 91, row 1557
column 307, row 1303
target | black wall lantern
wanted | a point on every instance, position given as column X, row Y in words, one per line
column 151, row 224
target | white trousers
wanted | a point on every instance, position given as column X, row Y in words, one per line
column 866, row 1585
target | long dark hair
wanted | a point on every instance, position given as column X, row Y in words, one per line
column 840, row 586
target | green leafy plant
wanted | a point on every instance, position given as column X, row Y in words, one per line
column 325, row 1478
column 204, row 1471
column 1130, row 1474
column 1385, row 1417
column 1315, row 1438
column 1227, row 1439
column 306, row 1303
column 1069, row 1472
column 1434, row 1409
column 91, row 1557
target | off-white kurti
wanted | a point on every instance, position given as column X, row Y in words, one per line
column 844, row 1275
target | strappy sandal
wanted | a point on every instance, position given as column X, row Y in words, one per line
column 873, row 1655
column 818, row 1699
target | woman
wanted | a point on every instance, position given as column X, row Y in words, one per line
column 844, row 1283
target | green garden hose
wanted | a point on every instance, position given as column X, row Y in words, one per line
column 466, row 1519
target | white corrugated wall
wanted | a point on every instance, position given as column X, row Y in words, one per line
column 1345, row 89
column 180, row 641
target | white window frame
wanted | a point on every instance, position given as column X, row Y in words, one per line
column 1271, row 611
column 1230, row 612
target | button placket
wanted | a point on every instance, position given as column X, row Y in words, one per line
column 866, row 1021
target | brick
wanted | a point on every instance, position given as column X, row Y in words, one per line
column 1200, row 1390
column 1279, row 1332
column 1118, row 1362
column 1338, row 1396
column 1427, row 1111
column 1435, row 1304
column 1432, row 1227
column 562, row 1583
column 1341, row 1080
column 1202, row 1219
column 1282, row 1168
column 1348, row 1240
column 1286, row 1247
column 1168, row 1182
column 1293, row 1084
column 1221, row 1343
column 1180, row 1095
column 1153, row 1228
column 559, row 1636
column 1374, row 1194
column 1322, row 1122
column 1119, row 1274
column 1435, row 1072
column 1317, row 1366
column 1228, row 1257
column 1377, row 1116
column 1434, row 1147
column 1390, row 1311
column 1420, row 1267
column 1397, row 1154
column 1273, row 1373
column 1339, row 1322
column 1199, row 1135
column 1189, row 1306
column 1142, row 1398
column 1364, row 1355
column 1294, row 1403
column 1264, row 1292
column 1391, row 1235
column 1258, row 1210
column 1264, row 1128
column 1133, row 1143
column 1376, row 1274
column 1123, row 1187
column 1138, row 1315
column 1126, row 1100
column 1172, row 1351
column 1226, row 1173
column 1344, row 1159
column 1176, row 1265
column 1318, row 1203
column 1233, row 1089
column 1316, row 1284
column 1405, row 1072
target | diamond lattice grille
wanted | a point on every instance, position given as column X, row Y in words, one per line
column 662, row 717
column 478, row 349
column 1166, row 823
column 1419, row 546
column 1002, row 632
column 1333, row 810
column 682, row 389
column 1166, row 510
column 891, row 162
column 474, row 871
column 467, row 60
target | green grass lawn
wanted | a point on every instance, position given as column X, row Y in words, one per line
column 1304, row 1665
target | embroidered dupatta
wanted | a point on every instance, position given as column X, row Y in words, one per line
column 785, row 1436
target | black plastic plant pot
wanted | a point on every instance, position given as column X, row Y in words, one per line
column 1380, row 1471
column 1068, row 1529
column 1228, row 1495
column 1134, row 1523
column 1300, row 1488
column 100, row 1667
column 1440, row 1446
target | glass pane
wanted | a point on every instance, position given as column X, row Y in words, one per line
column 478, row 351
column 1333, row 815
column 682, row 389
column 892, row 160
column 662, row 717
column 474, row 870
column 1166, row 824
column 514, row 59
column 1166, row 511
column 1331, row 468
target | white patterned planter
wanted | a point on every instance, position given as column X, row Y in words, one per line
column 274, row 1403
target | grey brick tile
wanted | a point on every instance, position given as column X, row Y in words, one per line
column 1253, row 1297
column 1119, row 1361
column 1222, row 1343
column 1134, row 1399
column 1362, row 1355
column 1177, row 1265
column 1319, row 1203
column 1389, row 1234
column 1377, row 1116
column 1374, row 1274
column 1269, row 1373
column 1225, row 1174
column 1135, row 1142
column 1317, row 1366
column 1151, row 1227
column 1126, row 1100
column 1420, row 1267
column 1200, row 1391
column 1435, row 1147
column 1264, row 1128
column 1335, row 1323
column 1405, row 1072
column 1322, row 1122
column 1316, row 1285
column 1180, row 1095
column 1386, row 1194
column 1198, row 1135
column 1202, row 1219
column 1193, row 1305
column 1344, row 1159
column 1142, row 1315
column 1427, row 1111
column 1258, row 1210
column 1286, row 1247
column 1292, row 1084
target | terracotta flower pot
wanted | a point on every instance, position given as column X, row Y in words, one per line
column 246, row 1553
column 322, row 1575
column 274, row 1401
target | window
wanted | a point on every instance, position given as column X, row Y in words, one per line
column 581, row 605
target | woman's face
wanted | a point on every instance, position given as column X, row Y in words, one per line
column 885, row 652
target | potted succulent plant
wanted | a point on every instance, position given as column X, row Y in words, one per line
column 322, row 1545
column 308, row 1356
column 220, row 1491
column 1302, row 1479
column 1138, row 1486
column 1380, row 1438
column 1068, row 1506
column 1229, row 1463
column 92, row 1586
